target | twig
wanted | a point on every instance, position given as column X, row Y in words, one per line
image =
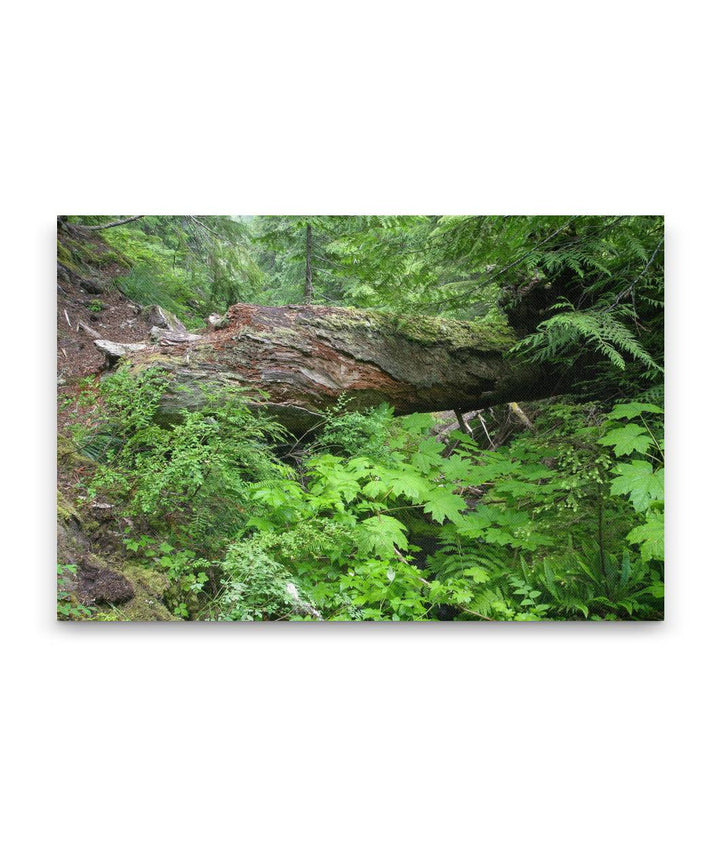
column 116, row 223
column 631, row 288
column 464, row 427
column 206, row 228
column 487, row 433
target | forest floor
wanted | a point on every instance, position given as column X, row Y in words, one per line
column 90, row 299
column 90, row 538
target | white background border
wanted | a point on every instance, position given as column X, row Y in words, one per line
column 346, row 739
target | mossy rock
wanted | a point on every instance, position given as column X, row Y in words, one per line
column 150, row 586
column 147, row 603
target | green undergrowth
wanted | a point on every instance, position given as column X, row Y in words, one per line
column 374, row 518
column 190, row 266
column 155, row 277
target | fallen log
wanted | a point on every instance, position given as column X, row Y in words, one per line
column 296, row 361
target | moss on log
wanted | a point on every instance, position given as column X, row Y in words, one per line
column 298, row 360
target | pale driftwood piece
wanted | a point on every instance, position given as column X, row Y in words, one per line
column 86, row 328
column 114, row 350
column 462, row 424
column 302, row 607
column 172, row 337
column 485, row 429
column 119, row 349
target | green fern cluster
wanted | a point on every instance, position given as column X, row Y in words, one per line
column 565, row 335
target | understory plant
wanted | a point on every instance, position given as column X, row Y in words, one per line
column 375, row 518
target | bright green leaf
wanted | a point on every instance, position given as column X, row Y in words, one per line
column 628, row 439
column 651, row 538
column 443, row 504
column 640, row 482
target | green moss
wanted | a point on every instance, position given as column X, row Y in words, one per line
column 64, row 256
column 286, row 334
column 65, row 509
column 146, row 605
column 150, row 586
column 423, row 329
column 85, row 255
column 102, row 256
column 69, row 458
column 428, row 330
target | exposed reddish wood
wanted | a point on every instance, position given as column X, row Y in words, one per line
column 302, row 359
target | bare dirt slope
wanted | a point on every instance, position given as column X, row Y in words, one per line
column 87, row 294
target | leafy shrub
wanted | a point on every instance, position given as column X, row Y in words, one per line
column 68, row 607
column 382, row 521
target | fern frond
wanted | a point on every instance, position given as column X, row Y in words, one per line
column 561, row 334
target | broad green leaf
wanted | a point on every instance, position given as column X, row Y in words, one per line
column 409, row 484
column 443, row 504
column 633, row 409
column 628, row 439
column 456, row 468
column 501, row 536
column 380, row 535
column 418, row 423
column 359, row 466
column 656, row 589
column 437, row 591
column 651, row 538
column 428, row 455
column 375, row 488
column 460, row 594
column 640, row 482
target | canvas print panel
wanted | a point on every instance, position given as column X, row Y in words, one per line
column 360, row 418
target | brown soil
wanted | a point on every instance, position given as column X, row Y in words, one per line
column 117, row 320
column 86, row 294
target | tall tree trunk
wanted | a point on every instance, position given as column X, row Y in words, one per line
column 298, row 360
column 308, row 265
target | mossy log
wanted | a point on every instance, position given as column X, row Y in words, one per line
column 299, row 360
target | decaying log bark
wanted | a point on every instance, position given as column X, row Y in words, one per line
column 298, row 360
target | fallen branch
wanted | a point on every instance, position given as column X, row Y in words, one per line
column 86, row 328
column 302, row 607
column 522, row 416
column 485, row 429
column 116, row 223
column 114, row 350
column 464, row 427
